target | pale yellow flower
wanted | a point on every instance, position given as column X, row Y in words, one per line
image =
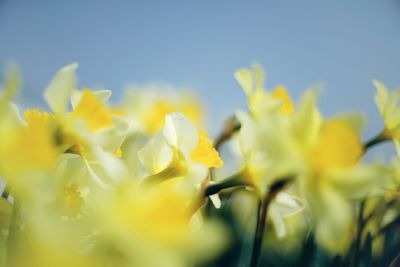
column 157, row 220
column 259, row 100
column 322, row 155
column 179, row 150
column 388, row 103
column 90, row 130
column 145, row 107
column 27, row 150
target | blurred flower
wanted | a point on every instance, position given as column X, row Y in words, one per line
column 388, row 106
column 145, row 107
column 90, row 129
column 259, row 100
column 156, row 220
column 179, row 150
column 322, row 154
column 94, row 185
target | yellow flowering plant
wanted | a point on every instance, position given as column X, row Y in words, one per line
column 89, row 183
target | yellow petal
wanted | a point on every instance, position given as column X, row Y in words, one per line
column 339, row 146
column 205, row 153
column 193, row 110
column 92, row 111
column 281, row 93
column 333, row 219
column 27, row 149
column 71, row 201
column 245, row 79
column 259, row 75
column 154, row 121
column 33, row 116
column 5, row 213
column 118, row 152
column 382, row 96
column 12, row 84
column 388, row 106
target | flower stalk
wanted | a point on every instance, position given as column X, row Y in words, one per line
column 380, row 138
column 262, row 218
column 236, row 180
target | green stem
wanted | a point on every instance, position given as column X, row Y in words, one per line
column 235, row 180
column 13, row 233
column 260, row 227
column 357, row 243
column 231, row 126
column 262, row 218
column 6, row 191
column 380, row 138
column 392, row 224
column 395, row 262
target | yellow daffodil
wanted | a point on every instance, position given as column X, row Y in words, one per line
column 259, row 100
column 267, row 163
column 27, row 151
column 274, row 107
column 258, row 168
column 389, row 109
column 382, row 209
column 329, row 170
column 145, row 107
column 179, row 150
column 92, row 185
column 156, row 220
column 90, row 129
column 323, row 156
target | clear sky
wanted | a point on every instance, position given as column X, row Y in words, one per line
column 342, row 44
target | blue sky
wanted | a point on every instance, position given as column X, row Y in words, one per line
column 342, row 44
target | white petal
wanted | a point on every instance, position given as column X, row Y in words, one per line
column 307, row 120
column 287, row 204
column 245, row 78
column 216, row 201
column 156, row 155
column 359, row 181
column 259, row 76
column 334, row 217
column 179, row 132
column 248, row 138
column 58, row 92
column 197, row 173
column 105, row 167
column 381, row 96
column 110, row 139
column 387, row 103
column 278, row 222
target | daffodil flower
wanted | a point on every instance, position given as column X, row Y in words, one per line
column 389, row 109
column 323, row 155
column 90, row 129
column 327, row 155
column 145, row 107
column 179, row 150
column 267, row 109
column 27, row 153
column 153, row 220
column 259, row 100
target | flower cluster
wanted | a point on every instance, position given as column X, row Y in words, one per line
column 90, row 183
